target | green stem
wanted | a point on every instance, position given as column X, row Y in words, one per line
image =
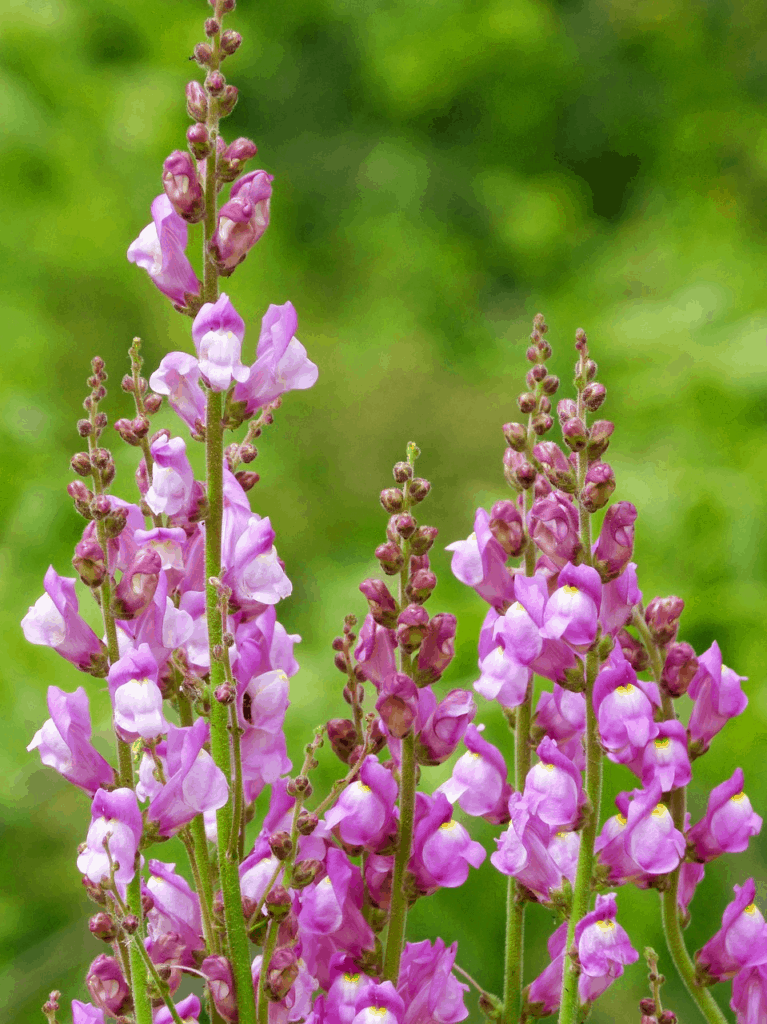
column 143, row 958
column 398, row 918
column 141, row 1003
column 568, row 1011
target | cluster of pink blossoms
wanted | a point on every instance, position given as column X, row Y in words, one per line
column 301, row 917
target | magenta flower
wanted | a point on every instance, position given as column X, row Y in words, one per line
column 604, row 948
column 427, row 986
column 281, row 361
column 175, row 907
column 506, row 668
column 252, row 566
column 364, row 812
column 563, row 849
column 651, row 839
column 108, row 987
column 64, row 742
column 729, row 822
column 179, row 179
column 160, row 250
column 437, row 648
column 740, row 942
column 136, row 697
column 572, row 610
column 665, row 758
column 613, row 549
column 218, row 974
column 349, row 987
column 188, row 1010
column 172, row 477
column 194, row 783
column 478, row 781
column 561, row 714
column 178, row 377
column 542, row 997
column 397, row 704
column 554, row 788
column 442, row 848
column 610, row 847
column 553, row 523
column 86, row 1013
column 624, row 707
column 218, row 330
column 379, row 1004
column 749, row 995
column 134, row 593
column 116, row 825
column 480, row 562
column 523, row 850
column 375, row 651
column 717, row 695
column 242, row 220
column 54, row 621
column 441, row 727
column 619, row 598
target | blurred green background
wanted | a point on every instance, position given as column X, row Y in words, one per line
column 442, row 172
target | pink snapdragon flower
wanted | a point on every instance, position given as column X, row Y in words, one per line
column 242, row 220
column 195, row 784
column 108, row 987
column 480, row 562
column 54, row 621
column 175, row 908
column 554, row 788
column 136, row 697
column 523, row 850
column 619, row 598
column 178, row 377
column 218, row 330
column 64, row 742
column 749, row 994
column 478, row 781
column 375, row 651
column 553, row 523
column 603, row 947
column 572, row 611
column 172, row 477
column 364, row 813
column 281, row 361
column 740, row 942
column 651, row 839
column 615, row 545
column 442, row 848
column 427, row 986
column 441, row 726
column 115, row 823
column 160, row 250
column 718, row 697
column 505, row 668
column 624, row 708
column 729, row 822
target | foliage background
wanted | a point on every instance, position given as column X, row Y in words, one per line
column 443, row 171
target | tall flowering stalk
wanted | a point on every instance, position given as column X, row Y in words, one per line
column 302, row 915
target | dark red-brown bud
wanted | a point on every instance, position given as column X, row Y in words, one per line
column 662, row 617
column 413, row 621
column 343, row 737
column 507, row 527
column 383, row 607
column 647, row 1006
column 403, row 471
column 225, row 693
column 550, row 384
column 307, row 823
column 679, row 669
column 247, row 479
column 599, row 485
column 81, row 464
column 103, row 927
column 423, row 539
column 541, row 423
column 278, row 902
column 421, row 585
column 405, row 525
column 230, row 42
column 215, row 83
column 575, row 434
column 527, row 402
column 392, row 499
column 418, row 489
column 281, row 845
column 304, row 873
column 198, row 138
column 633, row 651
column 516, row 436
column 518, row 471
column 599, row 439
column 566, row 409
column 89, row 562
column 228, row 101
column 591, row 369
column 203, row 54
column 390, row 558
column 211, row 27
column 594, row 395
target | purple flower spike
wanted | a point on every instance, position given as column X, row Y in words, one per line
column 115, row 817
column 364, row 812
column 54, row 621
column 427, row 986
column 729, row 822
column 554, row 788
column 218, row 330
column 572, row 610
column 64, row 742
column 717, row 695
column 195, row 783
column 242, row 220
column 281, row 361
column 740, row 942
column 651, row 839
column 478, row 781
column 160, row 250
column 136, row 697
column 480, row 562
column 178, row 377
column 749, row 994
column 603, row 946
column 613, row 549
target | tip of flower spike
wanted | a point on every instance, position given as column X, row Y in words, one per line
column 413, row 451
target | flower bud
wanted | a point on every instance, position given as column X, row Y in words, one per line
column 667, row 1017
column 247, row 479
column 130, row 924
column 102, row 926
column 199, row 140
column 390, row 558
column 593, row 396
column 679, row 669
column 82, row 498
column 591, row 369
column 518, row 471
column 300, row 786
column 575, row 433
column 423, row 539
column 228, row 101
column 100, row 506
column 507, row 527
column 405, row 525
column 537, row 373
column 383, row 607
column 304, row 873
column 234, row 156
column 196, row 104
column 115, row 522
column 599, row 439
column 516, row 436
column 398, row 704
column 662, row 617
column 211, row 27
column 107, row 986
column 541, row 423
column 218, row 973
column 89, row 562
column 581, row 340
column 633, row 651
column 527, row 402
column 136, row 589
column 403, row 472
column 392, row 499
column 647, row 1006
column 203, row 54
column 278, row 902
column 280, row 975
column 343, row 737
column 550, row 384
column 230, row 42
column 179, row 179
column 413, row 621
column 152, row 403
column 418, row 489
column 557, row 467
column 566, row 409
column 225, row 693
column 281, row 845
column 599, row 485
column 81, row 464
column 421, row 585
column 307, row 823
